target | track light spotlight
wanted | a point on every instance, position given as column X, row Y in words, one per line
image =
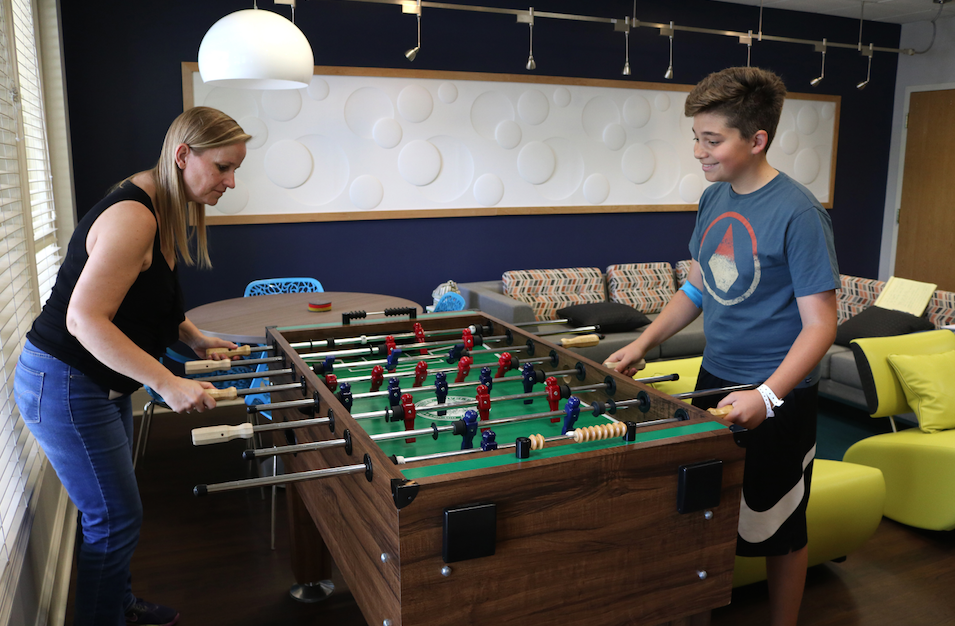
column 408, row 7
column 820, row 48
column 529, row 20
column 669, row 32
column 868, row 72
column 624, row 27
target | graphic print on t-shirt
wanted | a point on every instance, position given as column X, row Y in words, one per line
column 725, row 267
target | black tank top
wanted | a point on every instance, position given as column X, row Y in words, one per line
column 149, row 315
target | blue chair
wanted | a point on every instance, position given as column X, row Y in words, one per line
column 266, row 286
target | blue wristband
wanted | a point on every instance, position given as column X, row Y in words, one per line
column 693, row 294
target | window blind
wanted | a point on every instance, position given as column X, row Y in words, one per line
column 29, row 259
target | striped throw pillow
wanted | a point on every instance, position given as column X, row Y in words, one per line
column 647, row 287
column 549, row 290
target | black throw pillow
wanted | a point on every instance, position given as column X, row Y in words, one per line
column 878, row 322
column 612, row 317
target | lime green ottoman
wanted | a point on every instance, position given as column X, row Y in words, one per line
column 846, row 501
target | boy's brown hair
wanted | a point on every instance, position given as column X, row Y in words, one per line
column 751, row 99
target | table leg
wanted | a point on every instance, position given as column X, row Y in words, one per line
column 311, row 561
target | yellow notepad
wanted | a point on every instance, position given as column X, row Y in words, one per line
column 902, row 294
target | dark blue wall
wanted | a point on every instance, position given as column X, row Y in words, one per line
column 124, row 87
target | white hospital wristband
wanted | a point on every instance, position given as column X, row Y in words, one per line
column 769, row 398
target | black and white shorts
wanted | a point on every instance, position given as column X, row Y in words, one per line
column 777, row 473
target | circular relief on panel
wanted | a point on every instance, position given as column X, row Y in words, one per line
column 666, row 170
column 828, row 111
column 597, row 114
column 532, row 106
column 508, row 134
column 288, row 163
column 488, row 110
column 807, row 120
column 568, row 171
column 330, row 172
column 638, row 163
column 236, row 103
column 536, row 162
column 457, row 170
column 386, row 132
column 234, row 200
column 787, row 121
column 317, row 88
column 419, row 162
column 806, row 167
column 488, row 189
column 257, row 128
column 691, row 188
column 614, row 136
column 562, row 97
column 788, row 142
column 282, row 104
column 366, row 192
column 364, row 107
column 636, row 111
column 596, row 188
column 447, row 93
column 415, row 103
column 662, row 102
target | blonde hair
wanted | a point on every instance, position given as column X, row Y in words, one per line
column 200, row 128
column 751, row 99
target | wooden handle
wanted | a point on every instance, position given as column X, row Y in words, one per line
column 722, row 411
column 222, row 394
column 216, row 434
column 240, row 351
column 580, row 341
column 198, row 367
column 639, row 366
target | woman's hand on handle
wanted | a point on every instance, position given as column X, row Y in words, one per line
column 186, row 395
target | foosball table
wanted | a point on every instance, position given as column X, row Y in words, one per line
column 460, row 470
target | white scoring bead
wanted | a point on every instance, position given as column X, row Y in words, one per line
column 364, row 340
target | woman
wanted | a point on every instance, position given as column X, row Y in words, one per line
column 115, row 307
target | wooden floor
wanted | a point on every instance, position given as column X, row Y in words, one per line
column 210, row 558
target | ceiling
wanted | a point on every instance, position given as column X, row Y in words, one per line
column 895, row 11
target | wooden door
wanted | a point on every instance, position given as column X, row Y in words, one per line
column 927, row 217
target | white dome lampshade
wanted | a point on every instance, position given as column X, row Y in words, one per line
column 256, row 49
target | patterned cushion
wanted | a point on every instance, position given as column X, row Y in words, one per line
column 682, row 272
column 941, row 309
column 549, row 290
column 646, row 287
column 856, row 295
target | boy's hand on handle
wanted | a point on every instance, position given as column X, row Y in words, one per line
column 749, row 410
column 184, row 395
column 628, row 361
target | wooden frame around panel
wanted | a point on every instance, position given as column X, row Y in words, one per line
column 188, row 101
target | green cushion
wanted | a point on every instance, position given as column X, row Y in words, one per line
column 928, row 381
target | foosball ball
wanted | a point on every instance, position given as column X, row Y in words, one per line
column 460, row 470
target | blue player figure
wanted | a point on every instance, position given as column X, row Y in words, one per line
column 392, row 361
column 572, row 412
column 485, row 378
column 471, row 422
column 394, row 392
column 441, row 389
column 344, row 395
column 529, row 380
column 329, row 364
column 455, row 352
column 488, row 440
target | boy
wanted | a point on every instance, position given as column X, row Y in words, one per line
column 764, row 272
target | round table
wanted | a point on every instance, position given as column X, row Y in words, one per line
column 243, row 320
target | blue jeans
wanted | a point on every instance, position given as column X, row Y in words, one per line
column 88, row 440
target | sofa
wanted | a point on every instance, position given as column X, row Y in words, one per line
column 528, row 296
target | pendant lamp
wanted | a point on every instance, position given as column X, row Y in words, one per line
column 256, row 49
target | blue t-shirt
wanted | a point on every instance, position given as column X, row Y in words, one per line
column 758, row 253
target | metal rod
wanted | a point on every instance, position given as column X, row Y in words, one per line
column 292, row 449
column 267, row 481
column 452, row 386
column 244, row 376
column 712, row 392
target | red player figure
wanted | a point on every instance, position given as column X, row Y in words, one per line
column 483, row 403
column 503, row 364
column 419, row 335
column 377, row 377
column 407, row 405
column 390, row 344
column 420, row 373
column 331, row 381
column 553, row 395
column 468, row 339
column 464, row 368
